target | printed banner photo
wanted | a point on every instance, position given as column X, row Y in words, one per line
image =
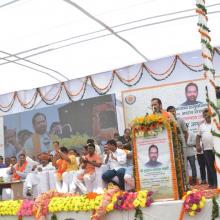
column 154, row 161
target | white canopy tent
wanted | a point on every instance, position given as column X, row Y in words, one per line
column 43, row 42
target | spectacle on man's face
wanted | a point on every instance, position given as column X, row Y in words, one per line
column 153, row 154
column 40, row 124
column 191, row 93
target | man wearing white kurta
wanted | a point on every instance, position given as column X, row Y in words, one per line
column 37, row 181
column 116, row 159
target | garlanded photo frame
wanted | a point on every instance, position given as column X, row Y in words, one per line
column 156, row 136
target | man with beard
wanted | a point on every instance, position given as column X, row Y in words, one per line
column 191, row 92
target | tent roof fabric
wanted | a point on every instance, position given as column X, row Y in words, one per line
column 43, row 42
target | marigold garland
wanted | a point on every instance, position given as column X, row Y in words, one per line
column 128, row 82
column 176, row 191
column 207, row 53
column 179, row 160
column 215, row 209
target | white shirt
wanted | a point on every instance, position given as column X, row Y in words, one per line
column 206, row 136
column 120, row 162
column 191, row 143
column 48, row 167
column 31, row 162
column 98, row 150
column 45, row 144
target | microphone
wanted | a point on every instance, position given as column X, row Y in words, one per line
column 153, row 109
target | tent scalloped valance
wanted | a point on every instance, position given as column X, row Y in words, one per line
column 101, row 90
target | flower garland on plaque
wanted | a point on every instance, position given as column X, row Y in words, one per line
column 158, row 160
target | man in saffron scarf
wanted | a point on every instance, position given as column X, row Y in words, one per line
column 66, row 166
column 157, row 108
column 20, row 170
column 85, row 180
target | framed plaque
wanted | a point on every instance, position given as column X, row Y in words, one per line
column 154, row 158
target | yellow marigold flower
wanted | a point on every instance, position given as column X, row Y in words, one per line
column 136, row 203
column 201, row 204
column 188, row 192
column 194, row 207
column 192, row 213
column 109, row 207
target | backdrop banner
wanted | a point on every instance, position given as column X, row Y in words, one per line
column 71, row 124
column 187, row 97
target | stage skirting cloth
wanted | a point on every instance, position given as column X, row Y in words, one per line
column 169, row 210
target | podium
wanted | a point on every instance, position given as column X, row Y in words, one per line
column 16, row 187
column 158, row 157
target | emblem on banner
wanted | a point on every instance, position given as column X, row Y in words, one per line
column 130, row 99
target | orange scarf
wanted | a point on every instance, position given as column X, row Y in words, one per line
column 61, row 168
column 15, row 176
column 166, row 114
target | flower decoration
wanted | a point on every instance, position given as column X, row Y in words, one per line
column 104, row 204
column 41, row 204
column 26, row 208
column 194, row 201
column 112, row 199
column 74, row 203
column 149, row 125
column 10, row 207
column 118, row 200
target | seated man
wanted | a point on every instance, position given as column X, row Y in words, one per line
column 89, row 162
column 38, row 177
column 66, row 167
column 72, row 167
column 61, row 166
column 116, row 159
column 20, row 170
column 97, row 148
